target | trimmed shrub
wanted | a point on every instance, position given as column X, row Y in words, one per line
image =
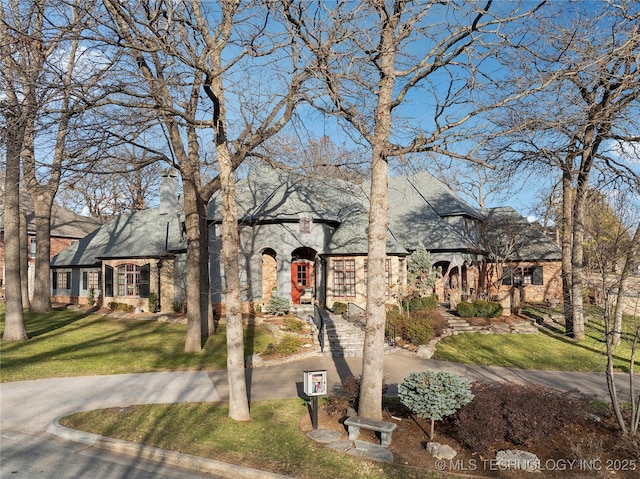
column 466, row 309
column 115, row 306
column 487, row 309
column 91, row 297
column 418, row 330
column 339, row 308
column 434, row 394
column 427, row 303
column 479, row 309
column 153, row 302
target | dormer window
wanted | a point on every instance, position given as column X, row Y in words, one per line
column 305, row 225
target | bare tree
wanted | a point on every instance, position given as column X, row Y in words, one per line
column 568, row 127
column 178, row 50
column 54, row 78
column 379, row 62
column 126, row 181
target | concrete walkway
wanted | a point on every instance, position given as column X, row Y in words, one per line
column 36, row 406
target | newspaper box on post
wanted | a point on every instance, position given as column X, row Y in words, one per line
column 315, row 383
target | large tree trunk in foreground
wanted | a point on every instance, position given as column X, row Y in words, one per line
column 370, row 404
column 14, row 328
column 192, row 213
column 238, row 402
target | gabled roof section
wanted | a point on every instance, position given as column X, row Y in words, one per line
column 352, row 238
column 531, row 244
column 141, row 234
column 270, row 194
column 417, row 206
column 444, row 201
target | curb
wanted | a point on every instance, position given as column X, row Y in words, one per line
column 185, row 461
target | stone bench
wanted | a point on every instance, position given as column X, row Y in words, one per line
column 354, row 423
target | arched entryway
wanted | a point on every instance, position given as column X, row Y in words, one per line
column 303, row 273
column 269, row 274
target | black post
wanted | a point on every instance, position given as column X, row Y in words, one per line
column 314, row 412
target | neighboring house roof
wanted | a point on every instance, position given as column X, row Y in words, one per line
column 64, row 222
column 148, row 233
column 531, row 244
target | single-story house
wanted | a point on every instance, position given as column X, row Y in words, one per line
column 303, row 238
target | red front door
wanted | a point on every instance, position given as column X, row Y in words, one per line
column 299, row 280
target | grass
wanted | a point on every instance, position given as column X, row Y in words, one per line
column 70, row 343
column 549, row 349
column 270, row 442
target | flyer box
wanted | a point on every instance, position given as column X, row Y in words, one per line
column 315, row 383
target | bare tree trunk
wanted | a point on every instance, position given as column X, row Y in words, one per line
column 14, row 328
column 41, row 302
column 577, row 264
column 370, row 404
column 193, row 341
column 631, row 261
column 24, row 258
column 567, row 230
column 238, row 401
column 205, row 305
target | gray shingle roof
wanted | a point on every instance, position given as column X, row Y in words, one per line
column 64, row 222
column 269, row 194
column 146, row 233
column 531, row 243
column 417, row 206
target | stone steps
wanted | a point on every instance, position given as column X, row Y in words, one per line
column 341, row 337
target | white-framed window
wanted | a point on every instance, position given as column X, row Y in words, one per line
column 128, row 280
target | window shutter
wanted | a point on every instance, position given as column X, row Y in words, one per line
column 537, row 276
column 85, row 280
column 108, row 281
column 54, row 280
column 144, row 280
column 506, row 276
column 68, row 279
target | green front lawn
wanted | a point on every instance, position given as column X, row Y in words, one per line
column 548, row 349
column 271, row 441
column 69, row 343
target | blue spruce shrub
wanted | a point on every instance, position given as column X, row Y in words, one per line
column 434, row 394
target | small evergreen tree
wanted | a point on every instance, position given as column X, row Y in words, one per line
column 421, row 275
column 434, row 394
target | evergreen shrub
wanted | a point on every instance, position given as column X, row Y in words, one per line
column 339, row 307
column 278, row 305
column 479, row 309
column 434, row 394
column 466, row 309
column 418, row 330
